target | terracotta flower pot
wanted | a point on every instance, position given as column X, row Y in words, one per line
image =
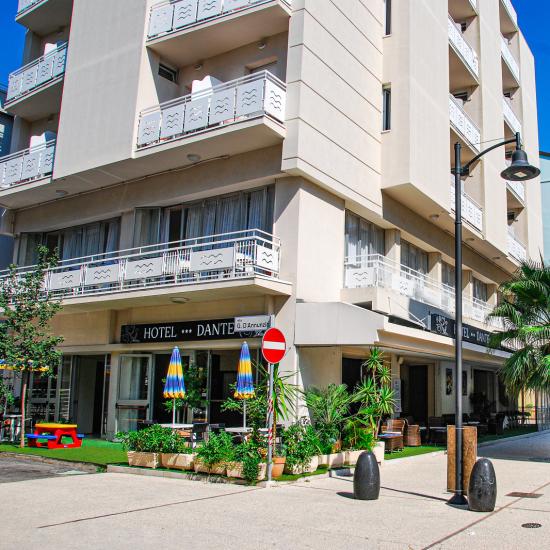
column 143, row 460
column 177, row 461
column 278, row 466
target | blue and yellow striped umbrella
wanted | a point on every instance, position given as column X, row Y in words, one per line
column 174, row 388
column 245, row 386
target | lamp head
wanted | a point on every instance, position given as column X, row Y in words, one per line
column 520, row 169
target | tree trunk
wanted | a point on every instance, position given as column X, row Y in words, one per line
column 25, row 378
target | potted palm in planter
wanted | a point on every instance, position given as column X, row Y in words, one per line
column 176, row 453
column 213, row 456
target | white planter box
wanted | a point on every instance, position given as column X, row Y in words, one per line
column 177, row 461
column 334, row 460
column 378, row 451
column 351, row 457
column 216, row 469
column 235, row 470
column 296, row 470
column 143, row 460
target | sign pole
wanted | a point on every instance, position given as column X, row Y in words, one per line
column 270, row 441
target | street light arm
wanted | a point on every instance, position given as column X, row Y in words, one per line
column 516, row 139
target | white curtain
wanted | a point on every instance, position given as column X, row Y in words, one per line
column 147, row 226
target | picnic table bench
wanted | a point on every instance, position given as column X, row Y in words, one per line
column 50, row 436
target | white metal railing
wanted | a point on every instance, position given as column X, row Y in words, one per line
column 377, row 271
column 510, row 117
column 511, row 11
column 472, row 212
column 28, row 165
column 474, row 4
column 466, row 52
column 175, row 15
column 41, row 71
column 237, row 255
column 24, row 5
column 241, row 99
column 516, row 248
column 517, row 187
column 463, row 124
column 509, row 58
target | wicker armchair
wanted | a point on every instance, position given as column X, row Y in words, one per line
column 412, row 436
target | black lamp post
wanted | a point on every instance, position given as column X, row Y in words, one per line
column 519, row 170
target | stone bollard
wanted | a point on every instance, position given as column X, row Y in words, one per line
column 366, row 479
column 482, row 491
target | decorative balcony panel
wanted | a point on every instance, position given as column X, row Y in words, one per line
column 40, row 72
column 232, row 256
column 26, row 166
column 510, row 117
column 518, row 188
column 173, row 16
column 256, row 95
column 376, row 271
column 471, row 211
column 24, row 5
column 516, row 248
column 463, row 124
column 474, row 4
column 511, row 11
column 509, row 58
column 466, row 52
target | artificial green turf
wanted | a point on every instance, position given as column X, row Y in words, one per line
column 413, row 451
column 94, row 451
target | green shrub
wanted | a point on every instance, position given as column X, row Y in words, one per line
column 154, row 439
column 249, row 454
column 218, row 449
column 301, row 443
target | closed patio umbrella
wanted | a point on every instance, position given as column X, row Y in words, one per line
column 245, row 386
column 174, row 388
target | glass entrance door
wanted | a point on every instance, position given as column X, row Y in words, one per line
column 134, row 391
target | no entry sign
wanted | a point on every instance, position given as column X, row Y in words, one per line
column 273, row 346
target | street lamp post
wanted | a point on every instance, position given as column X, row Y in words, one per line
column 519, row 170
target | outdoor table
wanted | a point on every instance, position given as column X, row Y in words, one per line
column 240, row 430
column 48, row 435
column 178, row 426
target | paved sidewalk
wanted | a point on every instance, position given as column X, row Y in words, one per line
column 122, row 511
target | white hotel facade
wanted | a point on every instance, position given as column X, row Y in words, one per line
column 199, row 163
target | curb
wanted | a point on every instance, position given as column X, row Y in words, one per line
column 87, row 467
column 513, row 438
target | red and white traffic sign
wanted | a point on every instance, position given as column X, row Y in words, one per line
column 273, row 346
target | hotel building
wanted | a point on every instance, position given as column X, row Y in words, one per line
column 208, row 167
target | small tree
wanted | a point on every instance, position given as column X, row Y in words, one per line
column 26, row 342
column 195, row 384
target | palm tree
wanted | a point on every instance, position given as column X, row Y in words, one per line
column 525, row 313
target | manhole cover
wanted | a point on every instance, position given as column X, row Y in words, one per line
column 524, row 495
column 531, row 525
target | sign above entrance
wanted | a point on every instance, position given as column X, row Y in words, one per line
column 188, row 331
column 447, row 327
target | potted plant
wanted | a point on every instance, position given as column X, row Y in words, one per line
column 247, row 463
column 213, row 456
column 143, row 447
column 176, row 453
column 302, row 448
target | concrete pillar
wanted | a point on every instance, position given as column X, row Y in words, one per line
column 113, row 388
column 393, row 245
column 435, row 267
column 492, row 291
column 467, row 284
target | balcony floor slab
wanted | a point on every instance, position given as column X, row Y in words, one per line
column 39, row 103
column 46, row 16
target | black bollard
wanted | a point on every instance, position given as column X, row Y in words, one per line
column 366, row 479
column 482, row 491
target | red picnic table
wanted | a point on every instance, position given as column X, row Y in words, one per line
column 51, row 436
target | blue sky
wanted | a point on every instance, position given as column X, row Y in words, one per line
column 534, row 16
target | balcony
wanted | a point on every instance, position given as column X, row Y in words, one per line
column 471, row 211
column 461, row 10
column 376, row 271
column 508, row 17
column 463, row 125
column 34, row 91
column 463, row 61
column 516, row 249
column 510, row 68
column 243, row 263
column 179, row 31
column 510, row 118
column 25, row 167
column 235, row 117
column 44, row 17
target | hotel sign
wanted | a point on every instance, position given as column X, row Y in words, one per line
column 447, row 327
column 186, row 331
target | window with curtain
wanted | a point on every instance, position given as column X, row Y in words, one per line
column 481, row 291
column 74, row 242
column 363, row 239
column 448, row 274
column 413, row 257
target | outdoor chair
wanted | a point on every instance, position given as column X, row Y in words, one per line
column 199, row 433
column 412, row 436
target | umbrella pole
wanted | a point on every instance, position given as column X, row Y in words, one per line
column 244, row 414
column 174, row 413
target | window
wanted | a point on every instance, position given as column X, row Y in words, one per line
column 168, row 73
column 363, row 239
column 481, row 291
column 387, row 17
column 414, row 258
column 448, row 274
column 386, row 108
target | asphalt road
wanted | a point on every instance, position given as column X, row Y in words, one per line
column 25, row 469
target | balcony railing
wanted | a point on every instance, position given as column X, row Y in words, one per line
column 474, row 4
column 517, row 187
column 509, row 58
column 230, row 256
column 463, row 124
column 24, row 5
column 511, row 11
column 173, row 16
column 510, row 117
column 466, row 52
column 40, row 72
column 471, row 211
column 377, row 271
column 244, row 98
column 28, row 165
column 516, row 248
